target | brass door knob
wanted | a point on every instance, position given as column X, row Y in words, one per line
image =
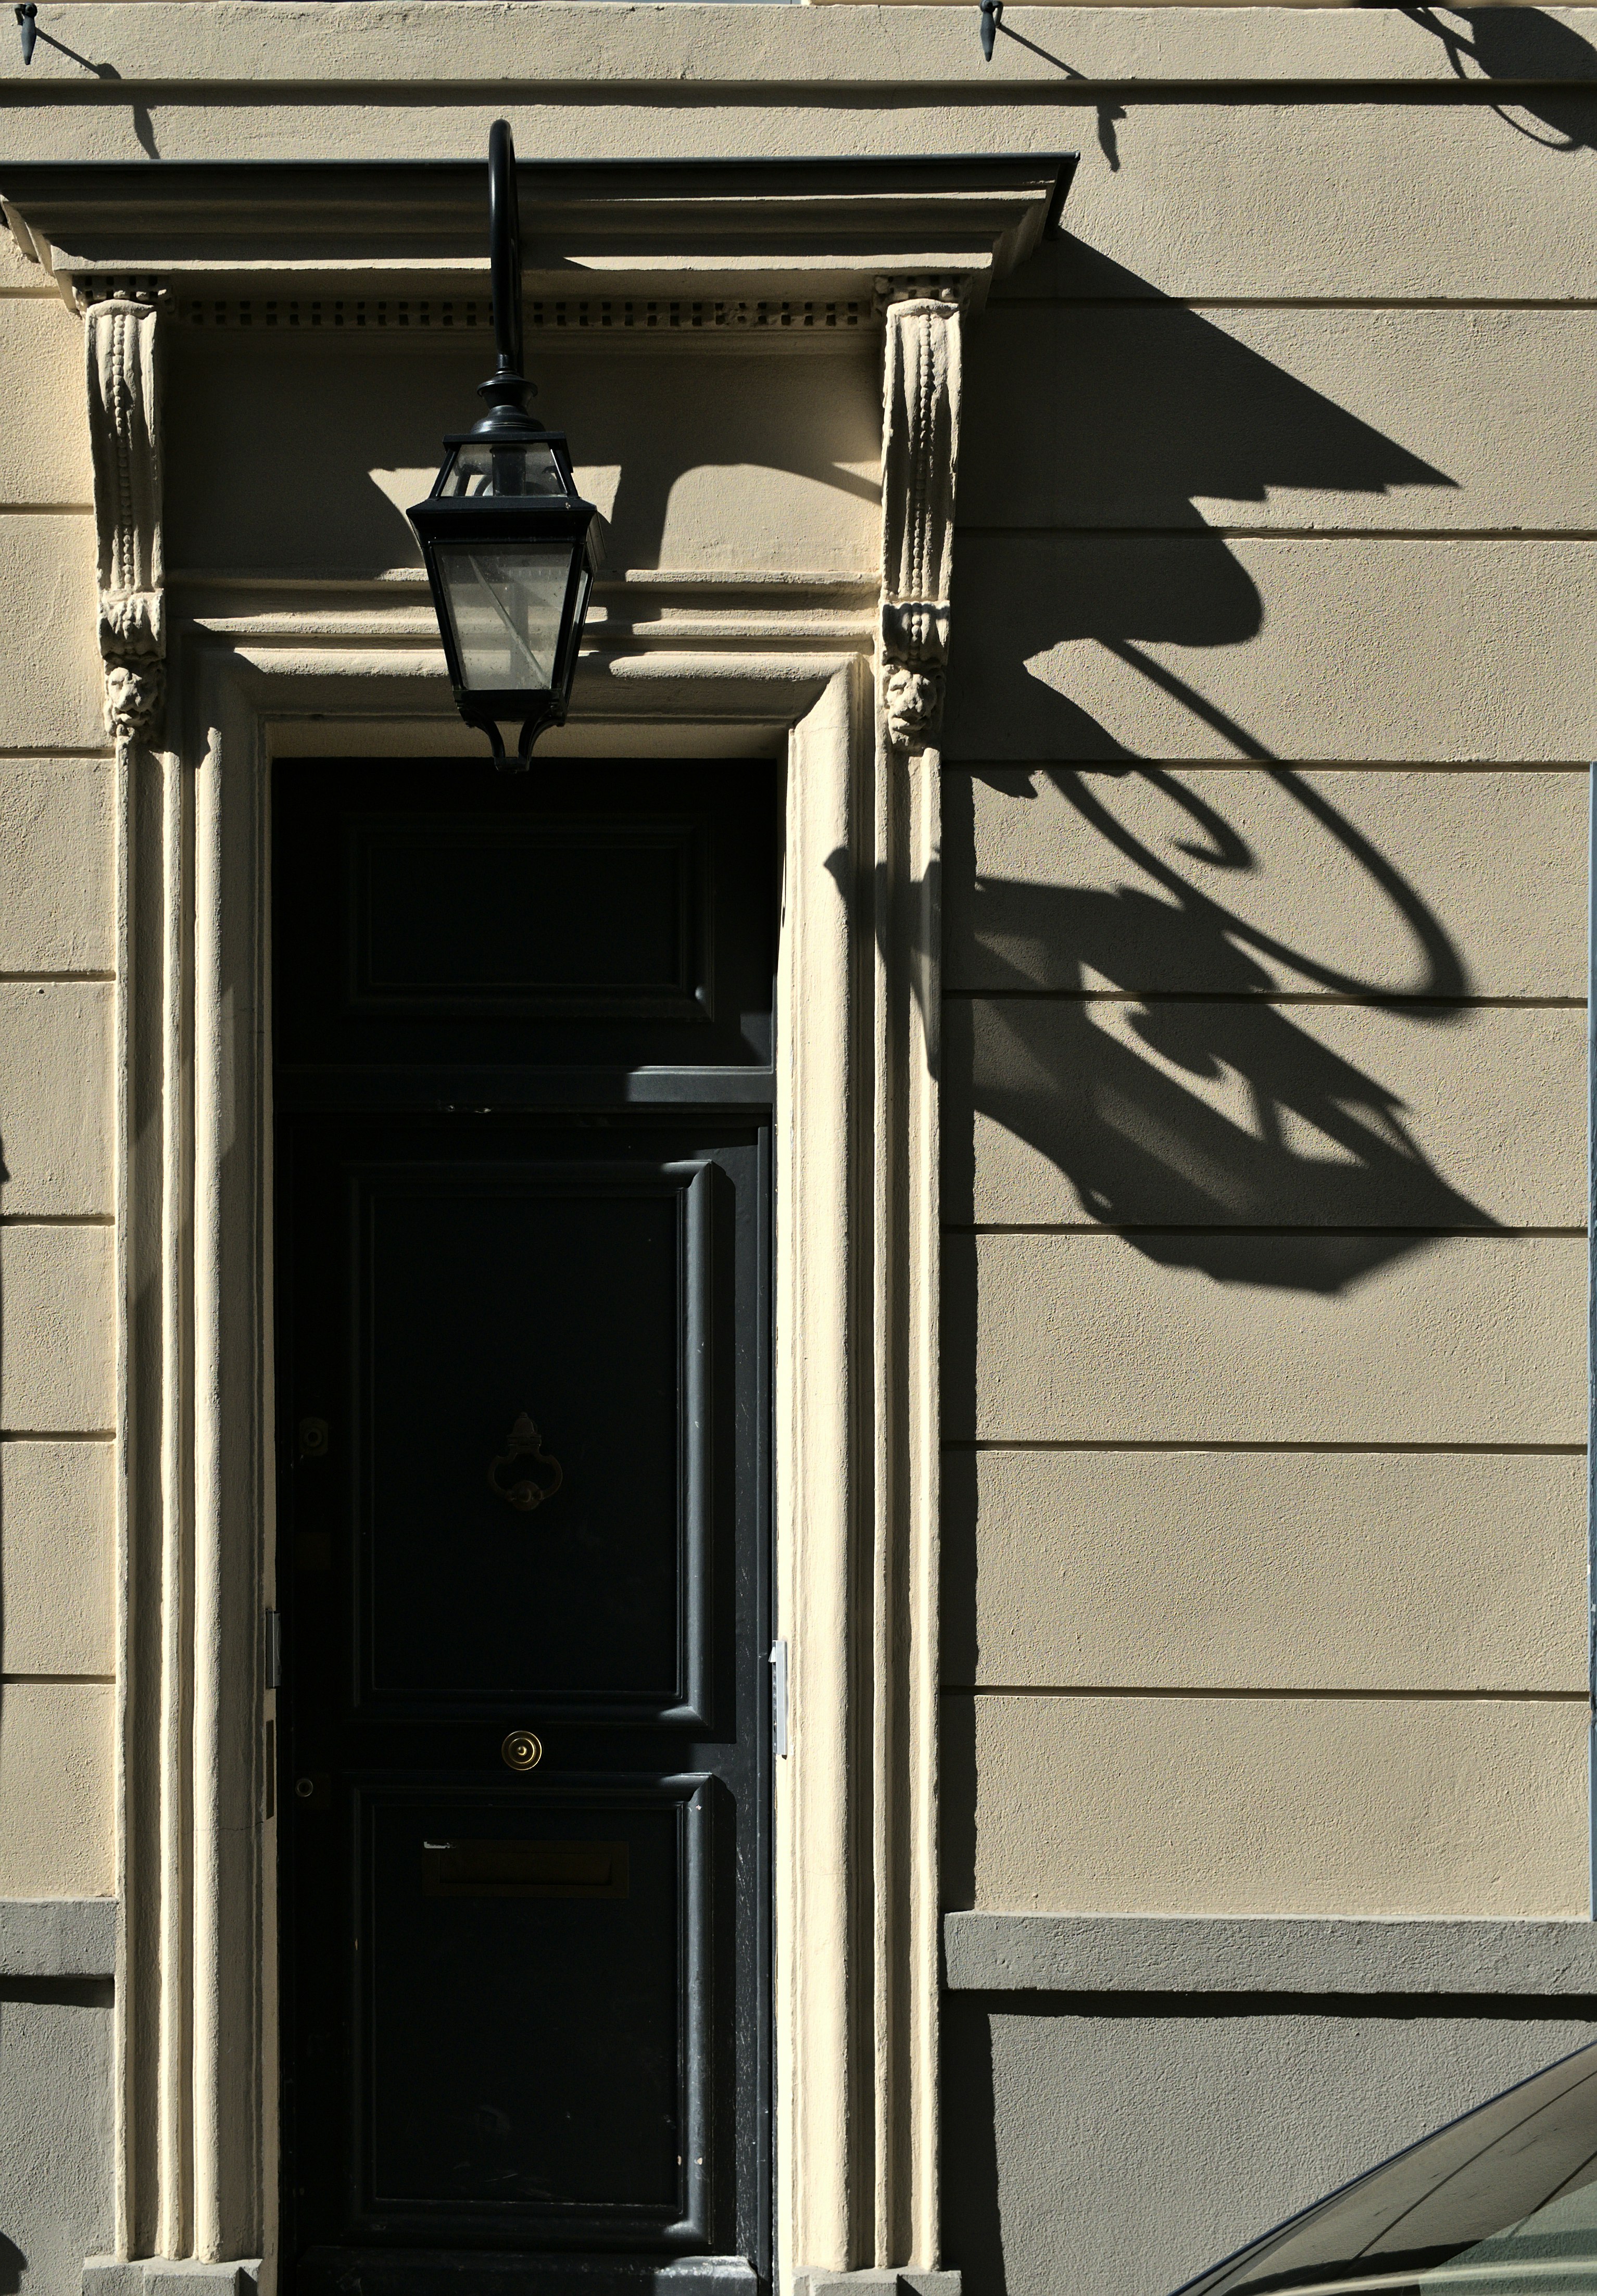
column 523, row 1750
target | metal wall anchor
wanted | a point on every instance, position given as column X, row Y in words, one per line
column 26, row 12
column 992, row 16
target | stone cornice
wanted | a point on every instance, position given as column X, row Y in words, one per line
column 731, row 232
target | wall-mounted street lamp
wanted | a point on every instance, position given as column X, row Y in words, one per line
column 510, row 546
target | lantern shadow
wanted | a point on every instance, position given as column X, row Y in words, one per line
column 787, row 448
column 1207, row 1126
column 1524, row 45
column 1085, row 461
column 1140, row 1047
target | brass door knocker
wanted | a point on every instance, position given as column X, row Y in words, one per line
column 526, row 1493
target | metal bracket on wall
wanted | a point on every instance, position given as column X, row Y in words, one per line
column 779, row 1698
column 992, row 16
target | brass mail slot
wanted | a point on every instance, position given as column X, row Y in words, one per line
column 524, row 1869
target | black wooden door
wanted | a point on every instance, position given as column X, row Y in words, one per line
column 522, row 1031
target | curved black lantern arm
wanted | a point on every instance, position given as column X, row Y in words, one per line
column 505, row 246
column 510, row 546
column 507, row 389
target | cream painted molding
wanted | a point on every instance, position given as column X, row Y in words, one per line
column 853, row 1400
column 920, row 458
column 728, row 236
column 121, row 344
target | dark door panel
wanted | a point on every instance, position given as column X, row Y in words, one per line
column 577, row 1296
column 573, row 916
column 607, row 917
column 591, row 2128
column 417, row 2272
column 523, row 1380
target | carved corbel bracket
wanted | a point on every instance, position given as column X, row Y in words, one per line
column 124, row 408
column 919, row 466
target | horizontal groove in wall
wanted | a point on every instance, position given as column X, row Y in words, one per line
column 963, row 1443
column 1083, row 93
column 1387, row 1003
column 47, row 979
column 352, row 94
column 1121, row 2001
column 58, row 1220
column 1466, row 534
column 47, row 1681
column 1485, row 1231
column 40, row 753
column 1276, row 1693
column 46, row 510
column 1231, row 763
column 1006, row 302
column 58, row 1434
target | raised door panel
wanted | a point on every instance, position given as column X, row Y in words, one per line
column 577, row 917
column 446, row 919
column 589, row 1901
column 574, row 1299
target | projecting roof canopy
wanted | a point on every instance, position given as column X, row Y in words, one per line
column 738, row 229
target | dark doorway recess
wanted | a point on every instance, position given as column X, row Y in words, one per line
column 523, row 1067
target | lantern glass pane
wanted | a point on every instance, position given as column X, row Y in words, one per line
column 507, row 600
column 481, row 471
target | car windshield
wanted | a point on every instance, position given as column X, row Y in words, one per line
column 1502, row 2203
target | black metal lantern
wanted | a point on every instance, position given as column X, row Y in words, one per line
column 510, row 546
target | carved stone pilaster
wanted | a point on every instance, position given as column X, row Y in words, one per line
column 918, row 465
column 125, row 436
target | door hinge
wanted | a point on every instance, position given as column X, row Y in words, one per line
column 779, row 1696
column 273, row 1650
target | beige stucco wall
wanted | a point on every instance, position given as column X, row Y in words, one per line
column 57, row 1196
column 1265, row 1538
column 711, row 465
column 1264, row 1552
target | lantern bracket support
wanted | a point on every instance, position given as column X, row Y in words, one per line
column 507, row 389
column 531, row 727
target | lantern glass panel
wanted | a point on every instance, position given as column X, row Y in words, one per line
column 480, row 471
column 507, row 600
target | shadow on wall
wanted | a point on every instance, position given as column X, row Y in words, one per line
column 1117, row 2144
column 1520, row 43
column 1144, row 413
column 1501, row 43
column 7, row 2284
column 1108, row 1089
column 728, row 433
column 1148, row 410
